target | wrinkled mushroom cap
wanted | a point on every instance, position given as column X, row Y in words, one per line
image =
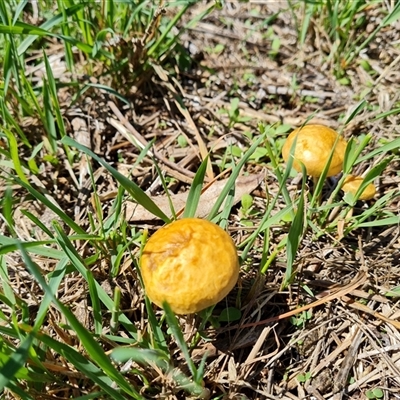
column 313, row 147
column 191, row 263
column 352, row 183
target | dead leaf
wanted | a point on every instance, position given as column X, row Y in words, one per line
column 244, row 184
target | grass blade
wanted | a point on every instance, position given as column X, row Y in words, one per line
column 82, row 363
column 232, row 179
column 134, row 190
column 92, row 347
column 95, row 300
column 177, row 333
column 15, row 362
column 14, row 153
column 80, row 266
column 49, row 204
column 52, row 22
column 193, row 198
column 295, row 234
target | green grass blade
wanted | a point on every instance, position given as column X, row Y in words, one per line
column 21, row 28
column 223, row 217
column 14, row 153
column 19, row 10
column 16, row 362
column 134, row 190
column 158, row 338
column 232, row 179
column 374, row 173
column 194, row 387
column 47, row 25
column 69, row 57
column 353, row 152
column 49, row 121
column 394, row 145
column 381, row 222
column 54, row 278
column 7, row 210
column 389, row 19
column 7, row 67
column 309, row 12
column 373, row 211
column 38, row 223
column 53, row 95
column 109, row 90
column 355, row 111
column 295, row 234
column 34, row 100
column 275, row 164
column 95, row 300
column 93, row 349
column 115, row 311
column 49, row 204
column 97, row 354
column 8, row 245
column 385, row 114
column 82, row 364
column 141, row 356
column 177, row 333
column 193, row 198
column 8, row 119
column 5, row 19
column 165, row 187
column 5, row 279
column 393, row 16
column 80, row 266
column 266, row 222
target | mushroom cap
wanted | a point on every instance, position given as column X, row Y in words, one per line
column 191, row 263
column 313, row 147
column 352, row 183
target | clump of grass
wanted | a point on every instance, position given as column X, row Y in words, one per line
column 344, row 23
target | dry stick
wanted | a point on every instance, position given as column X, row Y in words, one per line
column 163, row 75
column 389, row 68
column 179, row 172
column 184, row 111
column 341, row 293
column 359, row 280
column 361, row 307
column 174, row 173
column 341, row 377
column 314, row 391
column 332, row 356
column 391, row 362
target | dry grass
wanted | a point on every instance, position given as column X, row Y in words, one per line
column 345, row 342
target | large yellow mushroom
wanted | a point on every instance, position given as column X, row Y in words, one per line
column 191, row 264
column 313, row 148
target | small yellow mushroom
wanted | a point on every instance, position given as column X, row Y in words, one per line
column 313, row 148
column 352, row 183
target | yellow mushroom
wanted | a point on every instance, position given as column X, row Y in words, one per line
column 313, row 147
column 191, row 264
column 352, row 183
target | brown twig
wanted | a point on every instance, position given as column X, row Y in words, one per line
column 359, row 280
